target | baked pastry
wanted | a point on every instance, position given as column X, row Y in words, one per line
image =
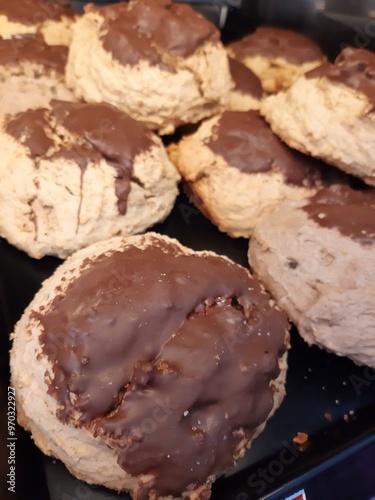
column 158, row 61
column 52, row 18
column 79, row 173
column 148, row 367
column 247, row 91
column 317, row 259
column 31, row 74
column 328, row 113
column 277, row 56
column 236, row 170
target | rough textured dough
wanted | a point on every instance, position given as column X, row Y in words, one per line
column 323, row 280
column 50, row 208
column 233, row 200
column 161, row 99
column 327, row 120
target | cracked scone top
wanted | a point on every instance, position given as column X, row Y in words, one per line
column 78, row 173
column 155, row 365
column 156, row 60
column 51, row 18
column 317, row 259
column 32, row 73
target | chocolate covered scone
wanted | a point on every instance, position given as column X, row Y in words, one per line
column 148, row 367
column 156, row 60
column 247, row 91
column 52, row 18
column 317, row 258
column 276, row 56
column 236, row 170
column 78, row 173
column 328, row 113
column 32, row 73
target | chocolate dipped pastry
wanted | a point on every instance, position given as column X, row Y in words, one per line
column 78, row 173
column 277, row 56
column 317, row 258
column 329, row 113
column 156, row 60
column 53, row 19
column 236, row 170
column 247, row 92
column 148, row 367
column 32, row 73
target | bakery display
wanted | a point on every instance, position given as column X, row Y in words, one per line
column 236, row 170
column 52, row 18
column 316, row 257
column 148, row 367
column 31, row 74
column 247, row 92
column 277, row 56
column 328, row 113
column 158, row 61
column 78, row 173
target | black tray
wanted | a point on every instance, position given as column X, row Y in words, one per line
column 328, row 398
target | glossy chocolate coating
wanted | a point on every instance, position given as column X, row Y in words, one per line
column 353, row 67
column 246, row 142
column 32, row 48
column 98, row 130
column 169, row 357
column 34, row 12
column 144, row 29
column 245, row 80
column 273, row 43
column 349, row 211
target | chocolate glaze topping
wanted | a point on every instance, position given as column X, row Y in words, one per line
column 244, row 79
column 99, row 131
column 246, row 142
column 275, row 42
column 167, row 356
column 29, row 128
column 145, row 29
column 353, row 67
column 349, row 211
column 33, row 48
column 31, row 12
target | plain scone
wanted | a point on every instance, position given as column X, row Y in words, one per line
column 68, row 180
column 322, row 278
column 157, row 61
column 329, row 113
column 235, row 186
column 93, row 456
column 53, row 19
column 32, row 73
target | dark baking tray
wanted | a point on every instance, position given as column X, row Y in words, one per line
column 328, row 398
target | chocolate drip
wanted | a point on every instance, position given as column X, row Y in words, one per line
column 274, row 42
column 34, row 12
column 98, row 131
column 246, row 142
column 32, row 48
column 353, row 67
column 167, row 356
column 244, row 79
column 115, row 135
column 145, row 29
column 349, row 211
